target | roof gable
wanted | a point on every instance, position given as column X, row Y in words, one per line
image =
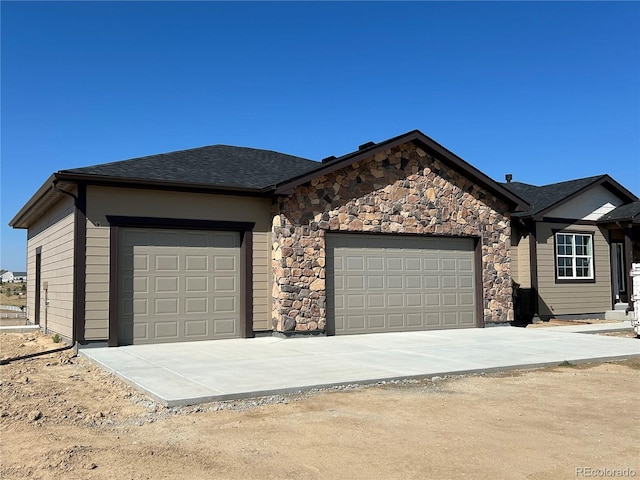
column 332, row 164
column 546, row 198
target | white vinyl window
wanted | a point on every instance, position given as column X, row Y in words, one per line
column 574, row 256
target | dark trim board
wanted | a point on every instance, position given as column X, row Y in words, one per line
column 628, row 260
column 181, row 223
column 246, row 267
column 568, row 221
column 38, row 292
column 80, row 265
column 533, row 262
column 480, row 323
column 246, row 282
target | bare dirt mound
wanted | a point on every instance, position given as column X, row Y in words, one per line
column 62, row 417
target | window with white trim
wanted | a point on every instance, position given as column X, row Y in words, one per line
column 574, row 256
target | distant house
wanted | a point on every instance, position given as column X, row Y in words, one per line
column 6, row 276
column 19, row 276
column 571, row 252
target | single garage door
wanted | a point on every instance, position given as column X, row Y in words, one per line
column 379, row 283
column 178, row 285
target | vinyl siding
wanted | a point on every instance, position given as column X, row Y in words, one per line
column 54, row 232
column 572, row 298
column 591, row 205
column 103, row 201
column 262, row 281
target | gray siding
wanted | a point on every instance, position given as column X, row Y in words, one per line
column 54, row 233
column 103, row 201
column 572, row 298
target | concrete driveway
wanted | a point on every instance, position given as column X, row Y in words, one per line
column 199, row 372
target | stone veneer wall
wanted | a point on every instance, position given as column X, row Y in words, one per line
column 401, row 191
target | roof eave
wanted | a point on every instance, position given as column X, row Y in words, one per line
column 18, row 221
column 91, row 179
column 421, row 140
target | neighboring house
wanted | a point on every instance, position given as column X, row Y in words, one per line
column 6, row 276
column 221, row 242
column 572, row 250
column 19, row 276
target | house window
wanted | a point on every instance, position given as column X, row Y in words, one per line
column 574, row 256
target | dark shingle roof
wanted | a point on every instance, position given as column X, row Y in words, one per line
column 216, row 165
column 546, row 196
column 630, row 211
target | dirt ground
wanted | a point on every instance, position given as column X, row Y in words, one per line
column 62, row 417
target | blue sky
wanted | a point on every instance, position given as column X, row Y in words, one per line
column 547, row 91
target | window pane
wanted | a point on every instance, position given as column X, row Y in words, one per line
column 587, row 245
column 574, row 255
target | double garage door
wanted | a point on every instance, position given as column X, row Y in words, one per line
column 379, row 283
column 177, row 285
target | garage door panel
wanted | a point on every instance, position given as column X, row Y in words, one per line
column 165, row 306
column 449, row 282
column 465, row 265
column 375, row 301
column 355, row 263
column 166, row 330
column 355, row 282
column 395, row 281
column 168, row 263
column 448, row 264
column 355, row 322
column 375, row 263
column 166, row 284
column 225, row 328
column 430, row 265
column 190, row 279
column 413, row 281
column 406, row 282
column 139, row 330
column 140, row 262
column 140, row 306
column 225, row 263
column 140, row 285
column 376, row 321
column 196, row 305
column 196, row 263
column 225, row 284
column 466, row 299
column 196, row 284
column 196, row 329
column 355, row 301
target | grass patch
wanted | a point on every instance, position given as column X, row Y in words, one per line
column 567, row 364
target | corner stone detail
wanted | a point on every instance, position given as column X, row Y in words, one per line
column 402, row 190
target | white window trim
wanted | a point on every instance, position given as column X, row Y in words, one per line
column 573, row 256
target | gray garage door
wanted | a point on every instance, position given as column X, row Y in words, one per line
column 380, row 283
column 178, row 285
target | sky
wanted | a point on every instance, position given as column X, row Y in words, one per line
column 546, row 91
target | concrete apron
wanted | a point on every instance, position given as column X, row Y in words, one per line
column 200, row 372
